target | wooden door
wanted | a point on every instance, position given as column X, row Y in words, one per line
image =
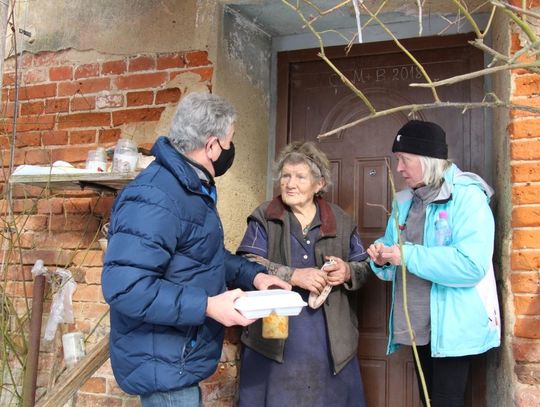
column 312, row 100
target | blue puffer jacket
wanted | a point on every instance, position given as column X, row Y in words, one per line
column 165, row 257
column 464, row 308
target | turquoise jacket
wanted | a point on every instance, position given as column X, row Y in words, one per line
column 464, row 308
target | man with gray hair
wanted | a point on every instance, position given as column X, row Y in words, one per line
column 166, row 270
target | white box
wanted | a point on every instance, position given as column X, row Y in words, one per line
column 259, row 304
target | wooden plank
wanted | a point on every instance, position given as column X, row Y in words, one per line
column 67, row 386
column 99, row 181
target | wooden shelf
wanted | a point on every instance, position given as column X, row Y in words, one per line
column 109, row 182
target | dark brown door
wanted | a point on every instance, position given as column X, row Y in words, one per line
column 312, row 100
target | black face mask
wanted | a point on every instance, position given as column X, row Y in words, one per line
column 224, row 161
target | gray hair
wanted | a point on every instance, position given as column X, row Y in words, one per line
column 433, row 169
column 305, row 153
column 197, row 117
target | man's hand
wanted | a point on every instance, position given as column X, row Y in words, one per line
column 263, row 281
column 221, row 308
column 381, row 254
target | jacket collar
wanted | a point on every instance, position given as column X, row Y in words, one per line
column 189, row 173
column 277, row 209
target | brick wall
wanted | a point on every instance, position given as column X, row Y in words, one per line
column 70, row 102
column 524, row 132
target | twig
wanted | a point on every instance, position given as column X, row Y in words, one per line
column 427, row 106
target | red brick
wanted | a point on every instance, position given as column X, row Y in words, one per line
column 83, row 86
column 49, row 256
column 83, row 103
column 526, row 350
column 526, row 85
column 525, row 128
column 61, row 73
column 73, row 222
column 47, row 58
column 527, row 304
column 526, row 396
column 93, row 276
column 32, row 108
column 528, row 373
column 530, row 101
column 138, row 81
column 109, row 135
column 38, row 157
column 102, row 206
column 50, row 206
column 109, row 101
column 19, row 273
column 142, row 63
column 525, row 260
column 91, row 258
column 82, row 137
column 64, row 240
column 29, row 139
column 136, row 115
column 19, row 289
column 5, row 142
column 168, row 61
column 86, row 71
column 35, row 75
column 91, row 293
column 8, row 79
column 94, row 385
column 8, row 109
column 70, row 154
column 527, row 327
column 526, row 238
column 527, row 194
column 113, row 67
column 171, row 95
column 84, row 120
column 57, row 105
column 30, row 123
column 526, row 216
column 54, row 137
column 33, row 222
column 525, row 282
column 93, row 400
column 35, row 92
column 525, row 172
column 140, row 98
column 525, row 150
column 196, row 58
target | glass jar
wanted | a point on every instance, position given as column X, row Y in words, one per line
column 275, row 326
column 97, row 160
column 125, row 156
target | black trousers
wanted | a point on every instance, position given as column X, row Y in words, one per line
column 446, row 378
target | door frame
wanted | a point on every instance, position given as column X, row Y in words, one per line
column 286, row 58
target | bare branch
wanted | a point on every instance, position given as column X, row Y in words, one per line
column 428, row 106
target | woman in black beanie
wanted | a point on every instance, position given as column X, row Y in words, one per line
column 445, row 227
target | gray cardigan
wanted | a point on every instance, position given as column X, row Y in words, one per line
column 340, row 306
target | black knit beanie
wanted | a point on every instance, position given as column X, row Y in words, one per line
column 421, row 138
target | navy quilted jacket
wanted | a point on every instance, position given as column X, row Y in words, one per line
column 165, row 257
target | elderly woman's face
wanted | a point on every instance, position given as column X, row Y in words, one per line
column 410, row 168
column 297, row 184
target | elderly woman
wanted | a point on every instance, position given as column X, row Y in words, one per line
column 446, row 229
column 294, row 234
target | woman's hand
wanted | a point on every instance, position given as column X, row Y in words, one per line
column 381, row 254
column 339, row 272
column 311, row 279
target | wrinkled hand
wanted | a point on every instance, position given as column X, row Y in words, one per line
column 311, row 279
column 381, row 254
column 221, row 308
column 338, row 273
column 263, row 281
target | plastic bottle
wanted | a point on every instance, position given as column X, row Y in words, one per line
column 125, row 156
column 443, row 232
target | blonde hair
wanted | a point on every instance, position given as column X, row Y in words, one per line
column 433, row 169
column 306, row 153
